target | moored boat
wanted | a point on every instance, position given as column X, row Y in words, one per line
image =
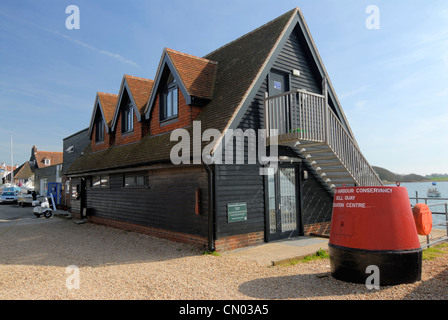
column 433, row 192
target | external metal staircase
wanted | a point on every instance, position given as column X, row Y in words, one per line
column 304, row 121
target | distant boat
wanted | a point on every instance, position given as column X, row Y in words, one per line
column 433, row 192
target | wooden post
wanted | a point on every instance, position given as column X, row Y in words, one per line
column 326, row 115
column 266, row 117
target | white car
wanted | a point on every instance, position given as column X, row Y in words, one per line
column 8, row 197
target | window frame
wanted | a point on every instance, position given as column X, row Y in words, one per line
column 127, row 119
column 99, row 129
column 169, row 100
column 100, row 181
column 133, row 184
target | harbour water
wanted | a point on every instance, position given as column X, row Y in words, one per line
column 421, row 188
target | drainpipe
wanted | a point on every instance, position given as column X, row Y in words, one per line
column 211, row 201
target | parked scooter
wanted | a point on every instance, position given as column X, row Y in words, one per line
column 42, row 208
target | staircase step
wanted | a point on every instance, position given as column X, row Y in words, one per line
column 316, row 151
column 324, row 157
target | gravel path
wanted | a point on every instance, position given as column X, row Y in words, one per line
column 115, row 264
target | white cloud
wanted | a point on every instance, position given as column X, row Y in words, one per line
column 104, row 52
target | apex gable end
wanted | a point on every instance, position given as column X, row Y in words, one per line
column 195, row 76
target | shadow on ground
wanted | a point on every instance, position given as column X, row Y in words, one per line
column 324, row 286
column 303, row 286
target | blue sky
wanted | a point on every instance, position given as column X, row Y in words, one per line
column 392, row 82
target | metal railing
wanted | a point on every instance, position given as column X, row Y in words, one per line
column 444, row 211
column 296, row 114
column 302, row 115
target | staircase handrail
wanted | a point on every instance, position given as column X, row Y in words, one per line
column 314, row 120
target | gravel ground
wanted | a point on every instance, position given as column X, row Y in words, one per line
column 116, row 264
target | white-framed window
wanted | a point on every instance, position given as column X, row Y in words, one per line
column 47, row 161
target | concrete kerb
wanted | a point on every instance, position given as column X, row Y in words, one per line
column 282, row 251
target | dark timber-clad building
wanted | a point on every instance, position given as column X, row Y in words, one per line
column 271, row 78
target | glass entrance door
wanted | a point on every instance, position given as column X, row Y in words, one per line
column 283, row 203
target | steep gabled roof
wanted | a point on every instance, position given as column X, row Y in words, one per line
column 138, row 90
column 195, row 75
column 230, row 76
column 105, row 103
column 249, row 59
column 242, row 65
column 23, row 172
column 237, row 67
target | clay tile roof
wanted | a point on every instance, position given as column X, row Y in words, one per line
column 108, row 102
column 140, row 89
column 55, row 158
column 197, row 74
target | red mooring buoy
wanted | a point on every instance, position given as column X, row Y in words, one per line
column 374, row 226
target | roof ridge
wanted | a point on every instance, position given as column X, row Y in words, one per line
column 109, row 94
column 295, row 10
column 191, row 56
column 137, row 78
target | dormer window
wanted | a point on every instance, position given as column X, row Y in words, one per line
column 169, row 99
column 127, row 118
column 47, row 161
column 99, row 130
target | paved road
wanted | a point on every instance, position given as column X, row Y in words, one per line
column 12, row 215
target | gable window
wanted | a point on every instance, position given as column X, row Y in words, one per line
column 169, row 99
column 99, row 129
column 127, row 119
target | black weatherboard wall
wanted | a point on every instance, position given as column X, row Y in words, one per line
column 166, row 202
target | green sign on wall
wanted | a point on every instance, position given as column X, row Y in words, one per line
column 236, row 212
